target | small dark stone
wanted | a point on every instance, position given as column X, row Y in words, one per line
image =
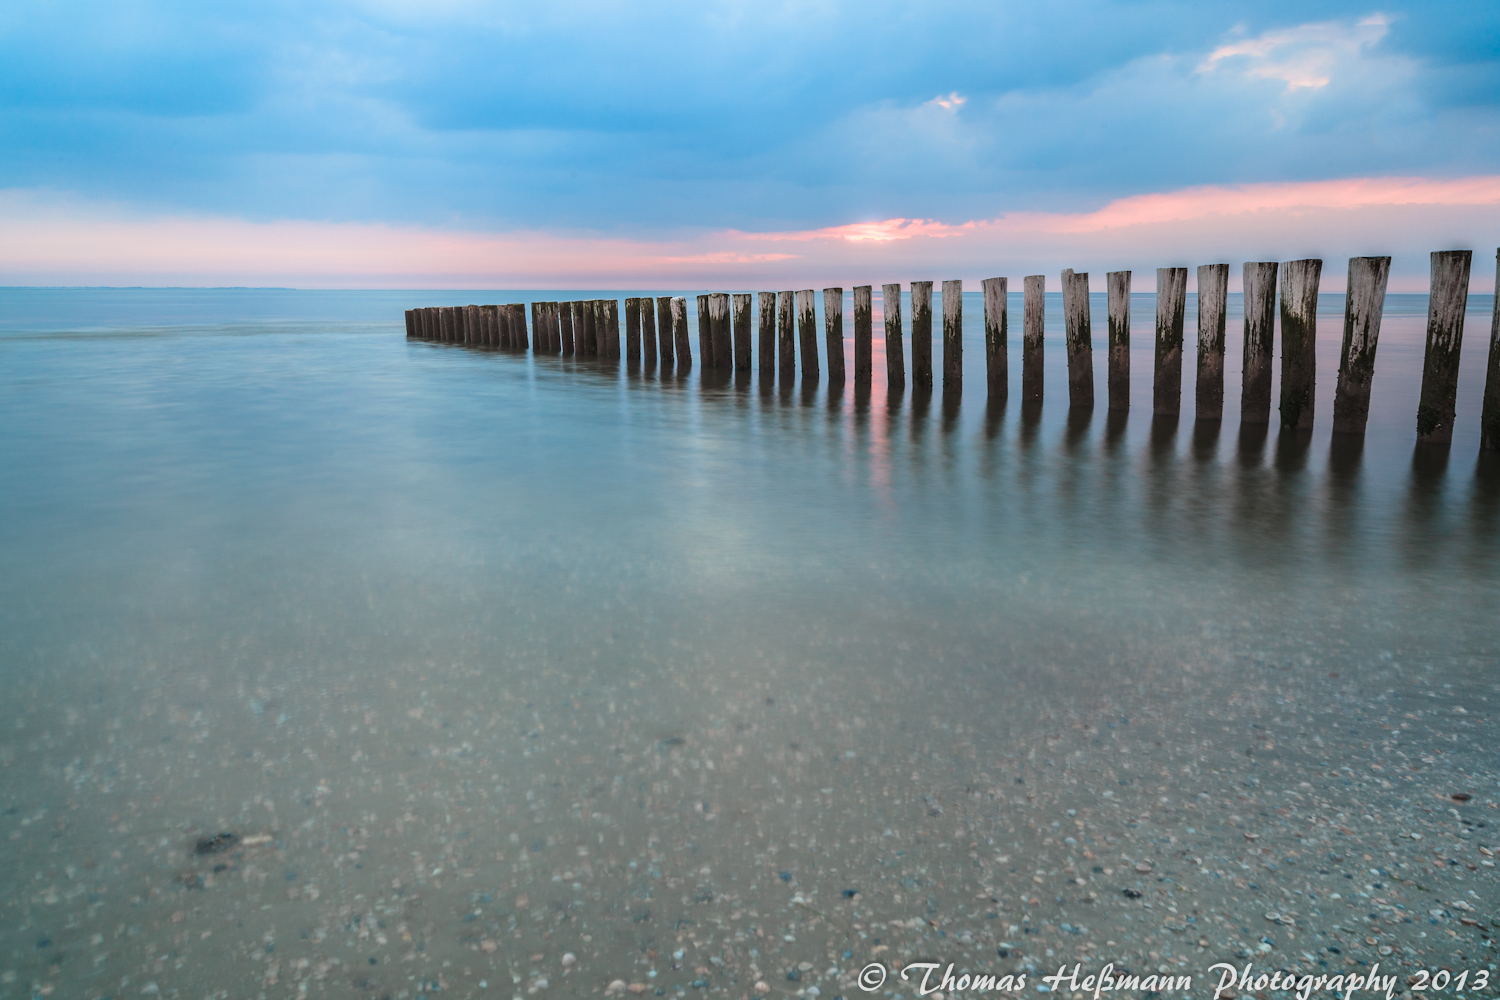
column 372, row 961
column 216, row 844
column 44, row 943
column 1002, row 953
column 673, row 741
column 850, row 893
column 1132, row 893
column 785, row 876
column 794, row 975
column 700, row 984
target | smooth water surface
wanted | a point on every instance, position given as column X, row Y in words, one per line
column 538, row 676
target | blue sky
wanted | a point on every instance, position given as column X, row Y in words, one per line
column 632, row 121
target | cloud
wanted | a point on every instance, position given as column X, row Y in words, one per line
column 45, row 239
column 1303, row 56
column 721, row 114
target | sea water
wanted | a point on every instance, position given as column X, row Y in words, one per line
column 536, row 676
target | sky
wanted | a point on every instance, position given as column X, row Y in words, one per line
column 731, row 144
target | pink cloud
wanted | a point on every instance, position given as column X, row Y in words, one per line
column 45, row 239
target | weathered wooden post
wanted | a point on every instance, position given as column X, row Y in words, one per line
column 864, row 333
column 411, row 325
column 612, row 327
column 1213, row 302
column 445, row 323
column 953, row 336
column 786, row 351
column 461, row 324
column 518, row 324
column 664, row 329
column 833, row 333
column 1171, row 310
column 429, row 324
column 1259, row 280
column 1489, row 420
column 743, row 330
column 632, row 329
column 483, row 325
column 574, row 310
column 539, row 340
column 807, row 331
column 921, row 334
column 1299, row 332
column 453, row 330
column 1117, row 362
column 495, row 321
column 719, row 332
column 1446, row 302
column 680, row 333
column 554, row 324
column 421, row 318
column 590, row 343
column 1079, row 334
column 1364, row 304
column 705, row 335
column 895, row 354
column 1033, row 324
column 766, row 303
column 648, row 330
column 472, row 327
column 996, row 334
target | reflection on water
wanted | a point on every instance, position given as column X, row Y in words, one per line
column 538, row 674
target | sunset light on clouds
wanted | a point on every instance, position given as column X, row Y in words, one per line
column 360, row 144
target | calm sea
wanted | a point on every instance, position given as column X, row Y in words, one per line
column 537, row 676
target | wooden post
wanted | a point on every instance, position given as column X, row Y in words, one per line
column 411, row 325
column 996, row 335
column 429, row 323
column 445, row 323
column 554, row 325
column 1033, row 324
column 1489, row 420
column 612, row 328
column 1079, row 333
column 664, row 329
column 563, row 322
column 807, row 330
column 1213, row 300
column 953, row 336
column 575, row 314
column 786, row 351
column 1299, row 333
column 472, row 328
column 705, row 334
column 921, row 334
column 1364, row 303
column 518, row 324
column 1171, row 310
column 864, row 348
column 718, row 330
column 499, row 326
column 633, row 329
column 422, row 324
column 539, row 339
column 461, row 324
column 648, row 329
column 1446, row 302
column 680, row 333
column 485, row 337
column 1117, row 363
column 743, row 333
column 833, row 333
column 590, row 343
column 895, row 354
column 1260, row 318
column 766, row 302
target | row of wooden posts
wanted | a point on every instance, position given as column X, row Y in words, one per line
column 656, row 331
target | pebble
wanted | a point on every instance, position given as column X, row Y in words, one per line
column 569, row 959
